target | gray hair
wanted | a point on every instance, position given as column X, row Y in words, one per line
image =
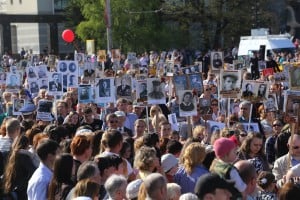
column 113, row 184
column 172, row 190
column 188, row 196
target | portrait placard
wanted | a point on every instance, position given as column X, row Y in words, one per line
column 195, row 81
column 141, row 90
column 55, row 83
column 216, row 60
column 31, row 72
column 187, row 103
column 262, row 65
column 169, row 68
column 214, row 126
column 44, row 111
column 124, row 86
column 294, row 72
column 17, row 105
column 2, row 78
column 85, row 94
column 155, row 90
column 230, row 83
column 13, row 82
column 105, row 90
column 180, row 82
column 173, row 121
column 270, row 104
column 79, row 57
column 250, row 127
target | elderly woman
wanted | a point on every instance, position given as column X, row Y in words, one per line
column 191, row 168
column 252, row 150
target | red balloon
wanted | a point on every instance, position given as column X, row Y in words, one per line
column 68, row 35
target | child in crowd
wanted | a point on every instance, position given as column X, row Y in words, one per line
column 225, row 150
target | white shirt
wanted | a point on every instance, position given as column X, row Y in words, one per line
column 38, row 183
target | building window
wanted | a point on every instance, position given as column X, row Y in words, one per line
column 60, row 5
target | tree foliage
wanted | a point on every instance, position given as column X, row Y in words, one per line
column 156, row 24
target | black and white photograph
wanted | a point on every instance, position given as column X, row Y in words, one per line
column 197, row 67
column 62, row 66
column 251, row 127
column 169, row 68
column 89, row 68
column 104, row 90
column 294, row 79
column 31, row 73
column 141, row 90
column 215, row 126
column 180, row 82
column 55, row 82
column 35, row 59
column 43, row 83
column 204, row 105
column 79, row 57
column 124, row 86
column 238, row 64
column 187, row 103
column 262, row 90
column 72, row 80
column 155, row 90
column 292, row 106
column 33, row 87
column 72, row 67
column 230, row 83
column 51, row 61
column 42, row 71
column 173, row 121
column 196, row 82
column 131, row 58
column 17, row 105
column 270, row 104
column 261, row 65
column 186, row 70
column 248, row 89
column 44, row 110
column 216, row 60
column 85, row 94
column 13, row 81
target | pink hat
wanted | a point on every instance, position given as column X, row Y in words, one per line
column 223, row 146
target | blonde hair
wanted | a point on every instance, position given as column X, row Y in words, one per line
column 158, row 119
column 197, row 131
column 144, row 159
column 154, row 108
column 193, row 155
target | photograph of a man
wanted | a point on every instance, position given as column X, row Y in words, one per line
column 43, row 84
column 13, row 81
column 56, row 83
column 229, row 82
column 156, row 92
column 187, row 104
column 196, row 82
column 72, row 80
column 84, row 93
column 62, row 67
column 143, row 90
column 124, row 89
column 216, row 61
column 72, row 67
column 262, row 89
column 248, row 92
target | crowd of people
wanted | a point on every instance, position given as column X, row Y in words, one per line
column 129, row 149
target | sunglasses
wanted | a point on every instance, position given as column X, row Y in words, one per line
column 208, row 89
column 276, row 125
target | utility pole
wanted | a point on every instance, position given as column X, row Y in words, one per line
column 108, row 25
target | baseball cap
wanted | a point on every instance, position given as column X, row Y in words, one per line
column 168, row 161
column 120, row 114
column 208, row 183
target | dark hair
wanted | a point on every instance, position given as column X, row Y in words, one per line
column 125, row 146
column 65, row 145
column 174, row 147
column 62, row 173
column 111, row 138
column 150, row 139
column 289, row 191
column 58, row 133
column 104, row 163
column 87, row 110
column 97, row 142
column 45, row 147
column 86, row 170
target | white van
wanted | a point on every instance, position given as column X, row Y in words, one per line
column 271, row 43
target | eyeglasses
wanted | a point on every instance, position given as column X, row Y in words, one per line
column 113, row 121
column 207, row 89
column 276, row 125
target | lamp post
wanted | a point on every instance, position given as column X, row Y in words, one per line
column 108, row 25
column 255, row 17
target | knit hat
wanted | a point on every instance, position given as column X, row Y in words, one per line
column 132, row 189
column 223, row 146
column 168, row 161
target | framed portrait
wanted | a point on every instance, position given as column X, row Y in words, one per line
column 262, row 65
column 180, row 82
column 55, row 83
column 72, row 80
column 216, row 60
column 85, row 94
column 51, row 61
column 262, row 90
column 43, row 83
column 17, row 105
column 13, row 82
column 215, row 126
column 270, row 104
column 230, row 83
column 44, row 110
column 79, row 57
column 294, row 73
column 104, row 90
column 116, row 55
column 187, row 103
column 195, row 81
column 204, row 106
column 131, row 58
column 155, row 89
column 238, row 64
column 169, row 68
column 101, row 57
column 31, row 72
column 33, row 87
column 35, row 59
column 72, row 67
column 251, row 127
column 62, row 66
column 173, row 121
column 141, row 90
column 248, row 88
column 124, row 86
column 42, row 71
